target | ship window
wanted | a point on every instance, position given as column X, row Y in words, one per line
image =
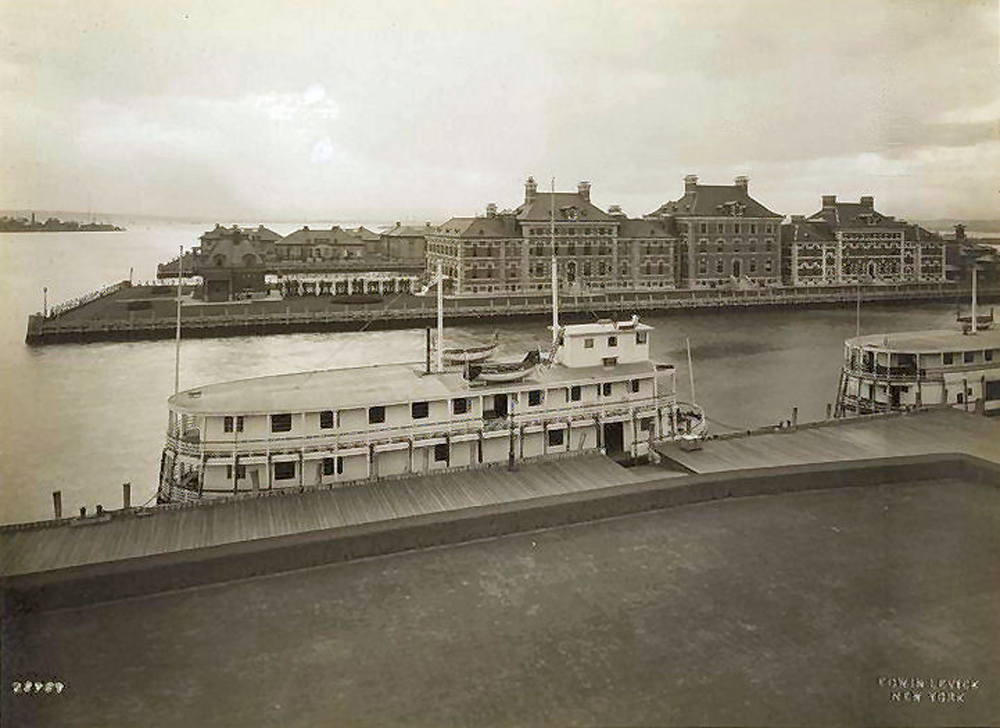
column 284, row 471
column 419, row 410
column 227, row 424
column 606, row 389
column 635, row 385
column 947, row 357
column 992, row 390
column 555, row 438
column 281, row 423
column 534, row 397
column 376, row 415
column 640, row 337
column 588, row 343
column 612, row 341
column 329, row 465
column 609, row 361
column 239, row 423
column 968, row 357
column 460, row 406
column 574, row 394
column 326, row 419
column 441, row 453
column 241, row 472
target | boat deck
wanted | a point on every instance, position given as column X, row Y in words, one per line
column 70, row 543
column 940, row 431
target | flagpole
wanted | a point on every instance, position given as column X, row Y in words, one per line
column 177, row 335
column 555, row 275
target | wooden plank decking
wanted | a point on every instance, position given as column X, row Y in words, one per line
column 167, row 530
column 923, row 433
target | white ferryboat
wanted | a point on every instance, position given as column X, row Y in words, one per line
column 596, row 389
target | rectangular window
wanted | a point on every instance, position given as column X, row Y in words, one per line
column 635, row 385
column 574, row 394
column 281, row 423
column 229, row 472
column 753, row 228
column 588, row 343
column 241, row 472
column 460, row 406
column 284, row 471
column 767, row 265
column 704, row 228
column 376, row 415
column 329, row 466
column 419, row 410
column 736, row 227
column 988, row 355
column 227, row 424
column 992, row 391
column 326, row 419
column 239, row 423
column 534, row 397
column 609, row 361
column 555, row 438
column 947, row 357
column 441, row 453
column 968, row 357
column 612, row 341
column 718, row 266
column 640, row 337
column 646, row 424
column 606, row 389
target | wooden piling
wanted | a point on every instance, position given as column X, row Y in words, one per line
column 126, row 495
column 57, row 503
column 795, row 416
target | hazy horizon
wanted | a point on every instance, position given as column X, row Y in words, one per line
column 426, row 109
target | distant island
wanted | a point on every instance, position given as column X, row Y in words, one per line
column 52, row 225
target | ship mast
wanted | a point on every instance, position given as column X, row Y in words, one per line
column 177, row 335
column 440, row 318
column 555, row 275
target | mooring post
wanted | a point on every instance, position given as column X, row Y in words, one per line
column 795, row 416
column 126, row 495
column 829, row 410
column 57, row 503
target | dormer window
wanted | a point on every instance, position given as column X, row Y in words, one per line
column 612, row 341
column 640, row 337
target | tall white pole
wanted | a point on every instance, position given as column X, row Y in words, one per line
column 690, row 370
column 177, row 334
column 974, row 297
column 857, row 314
column 555, row 273
column 440, row 303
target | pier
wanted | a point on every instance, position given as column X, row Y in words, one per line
column 124, row 312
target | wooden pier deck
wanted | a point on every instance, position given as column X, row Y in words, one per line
column 924, row 433
column 69, row 543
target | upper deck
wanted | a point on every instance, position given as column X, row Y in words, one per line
column 366, row 386
column 928, row 342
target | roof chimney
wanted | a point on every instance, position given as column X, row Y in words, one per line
column 530, row 188
column 743, row 181
column 690, row 182
column 583, row 189
column 798, row 218
column 868, row 202
column 491, row 209
column 616, row 211
column 829, row 201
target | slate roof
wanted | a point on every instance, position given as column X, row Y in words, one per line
column 335, row 235
column 854, row 215
column 631, row 228
column 807, row 231
column 501, row 226
column 714, row 201
column 540, row 206
column 409, row 231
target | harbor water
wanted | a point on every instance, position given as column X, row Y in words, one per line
column 85, row 418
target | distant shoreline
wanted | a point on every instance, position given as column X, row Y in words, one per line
column 54, row 225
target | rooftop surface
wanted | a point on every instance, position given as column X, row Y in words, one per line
column 923, row 433
column 215, row 523
column 785, row 610
column 930, row 341
column 366, row 386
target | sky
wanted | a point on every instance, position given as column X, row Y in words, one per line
column 422, row 109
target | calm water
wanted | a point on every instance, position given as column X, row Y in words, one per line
column 84, row 418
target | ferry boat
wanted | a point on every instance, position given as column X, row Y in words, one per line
column 900, row 371
column 596, row 389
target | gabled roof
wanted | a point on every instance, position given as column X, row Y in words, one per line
column 569, row 207
column 501, row 226
column 913, row 231
column 807, row 231
column 714, row 201
column 409, row 231
column 336, row 235
column 365, row 234
column 854, row 215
